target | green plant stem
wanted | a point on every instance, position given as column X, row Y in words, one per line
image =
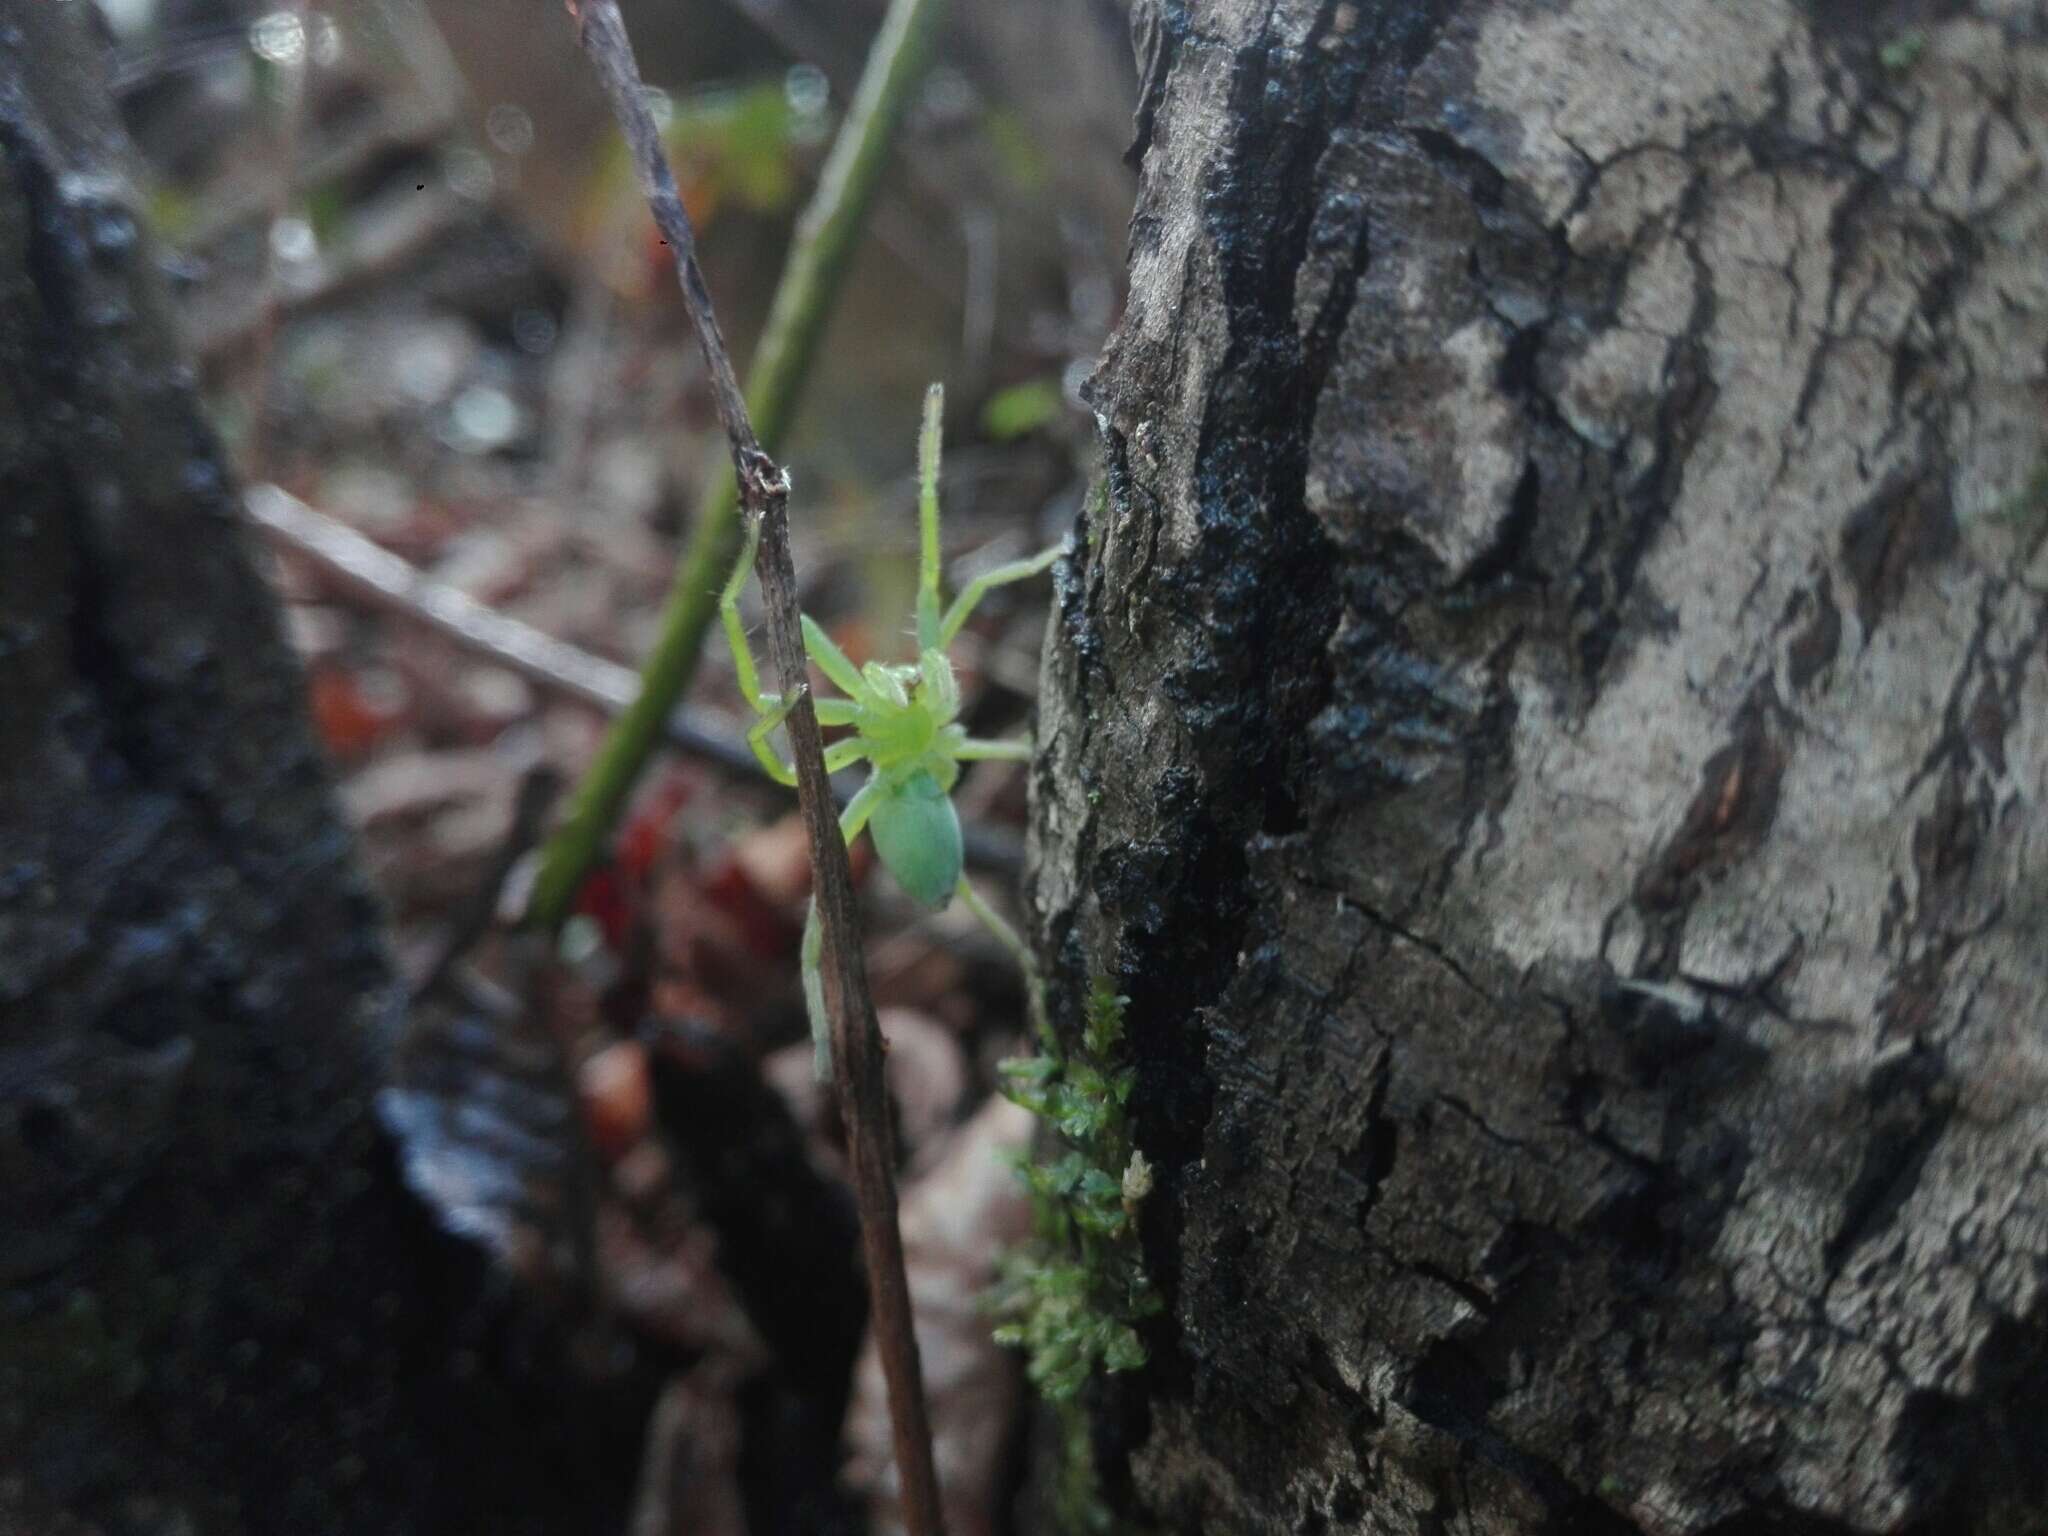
column 824, row 239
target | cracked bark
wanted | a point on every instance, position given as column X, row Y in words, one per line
column 1548, row 728
column 218, row 1311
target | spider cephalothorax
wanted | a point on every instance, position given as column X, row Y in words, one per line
column 904, row 723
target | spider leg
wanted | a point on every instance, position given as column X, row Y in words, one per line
column 928, row 440
column 1010, row 939
column 735, row 631
column 832, row 661
column 860, row 807
column 814, row 995
column 772, row 708
column 774, row 711
column 977, row 589
column 977, row 749
column 844, row 754
column 851, row 820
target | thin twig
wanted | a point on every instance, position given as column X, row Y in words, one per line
column 857, row 1041
column 818, row 258
column 367, row 570
column 603, row 32
column 856, row 1048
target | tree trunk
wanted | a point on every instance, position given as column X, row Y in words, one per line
column 1548, row 729
column 218, row 1311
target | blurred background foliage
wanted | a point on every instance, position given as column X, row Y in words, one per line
column 993, row 261
column 426, row 300
column 426, row 297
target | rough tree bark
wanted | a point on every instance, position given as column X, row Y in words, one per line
column 1549, row 729
column 218, row 1312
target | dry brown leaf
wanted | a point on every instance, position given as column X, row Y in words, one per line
column 689, row 1473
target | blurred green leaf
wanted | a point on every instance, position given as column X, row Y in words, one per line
column 170, row 212
column 757, row 161
column 326, row 208
column 1017, row 153
column 1022, row 408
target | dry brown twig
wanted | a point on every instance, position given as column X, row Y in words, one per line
column 856, row 1039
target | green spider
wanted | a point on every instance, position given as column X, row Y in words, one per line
column 905, row 726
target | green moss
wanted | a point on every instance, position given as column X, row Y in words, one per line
column 1072, row 1299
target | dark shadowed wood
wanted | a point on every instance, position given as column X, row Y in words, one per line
column 218, row 1311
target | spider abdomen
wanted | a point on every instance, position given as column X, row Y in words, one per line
column 917, row 836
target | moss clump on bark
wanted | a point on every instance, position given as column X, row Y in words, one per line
column 1073, row 1297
